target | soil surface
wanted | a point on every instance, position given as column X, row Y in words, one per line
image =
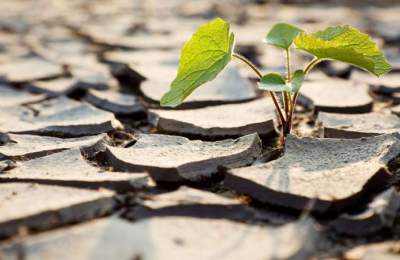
column 90, row 162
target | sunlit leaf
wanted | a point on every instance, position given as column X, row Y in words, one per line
column 347, row 44
column 207, row 52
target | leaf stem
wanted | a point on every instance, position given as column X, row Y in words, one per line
column 249, row 63
column 311, row 65
column 259, row 74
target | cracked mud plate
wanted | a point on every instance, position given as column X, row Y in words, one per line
column 338, row 174
column 174, row 158
column 218, row 122
column 60, row 117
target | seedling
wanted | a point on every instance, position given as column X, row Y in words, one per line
column 210, row 49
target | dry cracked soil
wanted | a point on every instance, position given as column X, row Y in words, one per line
column 91, row 167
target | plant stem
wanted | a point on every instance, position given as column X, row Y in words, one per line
column 288, row 98
column 288, row 68
column 259, row 74
column 307, row 69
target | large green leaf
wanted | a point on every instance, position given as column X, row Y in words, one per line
column 282, row 35
column 202, row 58
column 347, row 44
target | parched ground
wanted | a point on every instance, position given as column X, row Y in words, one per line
column 91, row 167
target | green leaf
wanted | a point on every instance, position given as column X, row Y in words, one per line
column 273, row 82
column 205, row 55
column 347, row 44
column 282, row 35
column 276, row 83
column 297, row 80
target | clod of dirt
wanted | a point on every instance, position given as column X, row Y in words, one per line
column 170, row 238
column 336, row 96
column 336, row 69
column 126, row 76
column 60, row 87
column 39, row 207
column 115, row 38
column 25, row 147
column 13, row 97
column 168, row 58
column 69, row 168
column 379, row 215
column 387, row 85
column 396, row 110
column 357, row 125
column 25, row 70
column 188, row 202
column 388, row 250
column 89, row 77
column 337, row 174
column 61, row 117
column 174, row 158
column 218, row 122
column 115, row 102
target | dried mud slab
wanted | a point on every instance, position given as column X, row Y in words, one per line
column 60, row 117
column 60, row 87
column 379, row 216
column 52, row 88
column 218, row 122
column 69, row 168
column 388, row 250
column 93, row 77
column 394, row 98
column 24, row 147
column 336, row 96
column 387, row 84
column 396, row 110
column 168, row 238
column 13, row 97
column 133, row 67
column 357, row 125
column 228, row 87
column 114, row 39
column 115, row 102
column 138, row 57
column 337, row 174
column 189, row 202
column 336, row 69
column 174, row 158
column 39, row 207
column 385, row 21
column 26, row 70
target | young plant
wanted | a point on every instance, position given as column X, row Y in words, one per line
column 210, row 49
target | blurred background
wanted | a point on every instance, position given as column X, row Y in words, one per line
column 60, row 29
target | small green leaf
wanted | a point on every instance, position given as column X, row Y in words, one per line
column 297, row 80
column 273, row 82
column 347, row 44
column 282, row 35
column 276, row 83
column 205, row 55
